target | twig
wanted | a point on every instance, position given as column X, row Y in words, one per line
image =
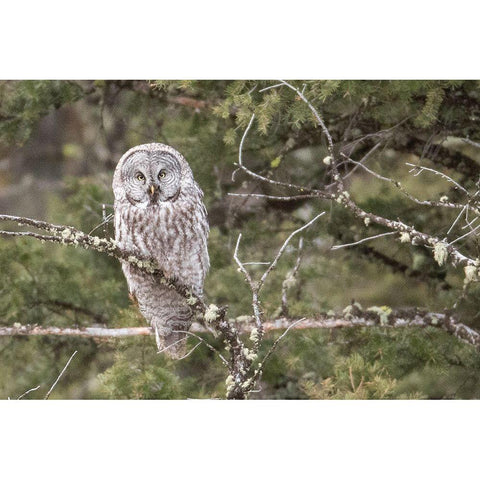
column 290, row 278
column 465, row 207
column 282, row 249
column 470, row 142
column 398, row 185
column 87, row 332
column 157, row 339
column 244, row 136
column 420, row 168
column 361, row 162
column 211, row 347
column 270, row 87
column 352, row 383
column 336, row 247
column 28, row 391
column 105, row 221
column 465, row 235
column 291, row 198
column 242, row 167
column 261, row 365
column 61, row 373
column 316, row 115
column 191, row 351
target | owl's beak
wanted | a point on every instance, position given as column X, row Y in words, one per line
column 152, row 190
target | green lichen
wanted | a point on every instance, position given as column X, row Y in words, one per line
column 440, row 253
column 254, row 337
column 290, row 281
column 351, row 310
column 347, row 312
column 211, row 313
column 343, row 197
column 229, row 383
column 382, row 312
column 405, row 237
column 191, row 299
column 66, row 233
column 249, row 355
column 246, row 385
column 471, row 274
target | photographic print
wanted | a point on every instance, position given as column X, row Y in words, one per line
column 239, row 239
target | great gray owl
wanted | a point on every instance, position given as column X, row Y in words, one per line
column 159, row 214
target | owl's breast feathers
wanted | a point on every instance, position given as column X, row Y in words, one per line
column 174, row 234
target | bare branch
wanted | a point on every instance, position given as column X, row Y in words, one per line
column 270, row 87
column 210, row 347
column 241, row 384
column 190, row 352
column 290, row 279
column 473, row 230
column 265, row 179
column 241, row 267
column 366, row 318
column 465, row 207
column 28, row 391
column 292, row 198
column 282, row 249
column 362, row 161
column 415, row 236
column 244, row 136
column 87, row 332
column 60, row 376
column 336, row 247
column 420, row 169
column 398, row 185
column 261, row 365
column 316, row 114
column 470, row 142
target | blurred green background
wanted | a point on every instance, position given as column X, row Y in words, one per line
column 59, row 144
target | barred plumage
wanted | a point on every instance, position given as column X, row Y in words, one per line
column 159, row 214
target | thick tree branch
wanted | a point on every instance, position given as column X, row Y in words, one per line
column 351, row 317
column 67, row 235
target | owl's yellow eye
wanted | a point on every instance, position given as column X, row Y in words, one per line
column 162, row 174
column 140, row 177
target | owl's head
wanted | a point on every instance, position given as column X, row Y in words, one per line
column 149, row 174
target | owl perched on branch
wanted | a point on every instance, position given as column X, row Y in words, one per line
column 159, row 214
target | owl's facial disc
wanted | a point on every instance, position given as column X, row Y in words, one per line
column 151, row 178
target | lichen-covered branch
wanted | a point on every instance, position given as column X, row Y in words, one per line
column 213, row 316
column 67, row 235
column 443, row 251
column 351, row 317
column 242, row 380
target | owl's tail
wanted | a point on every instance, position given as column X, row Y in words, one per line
column 171, row 340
